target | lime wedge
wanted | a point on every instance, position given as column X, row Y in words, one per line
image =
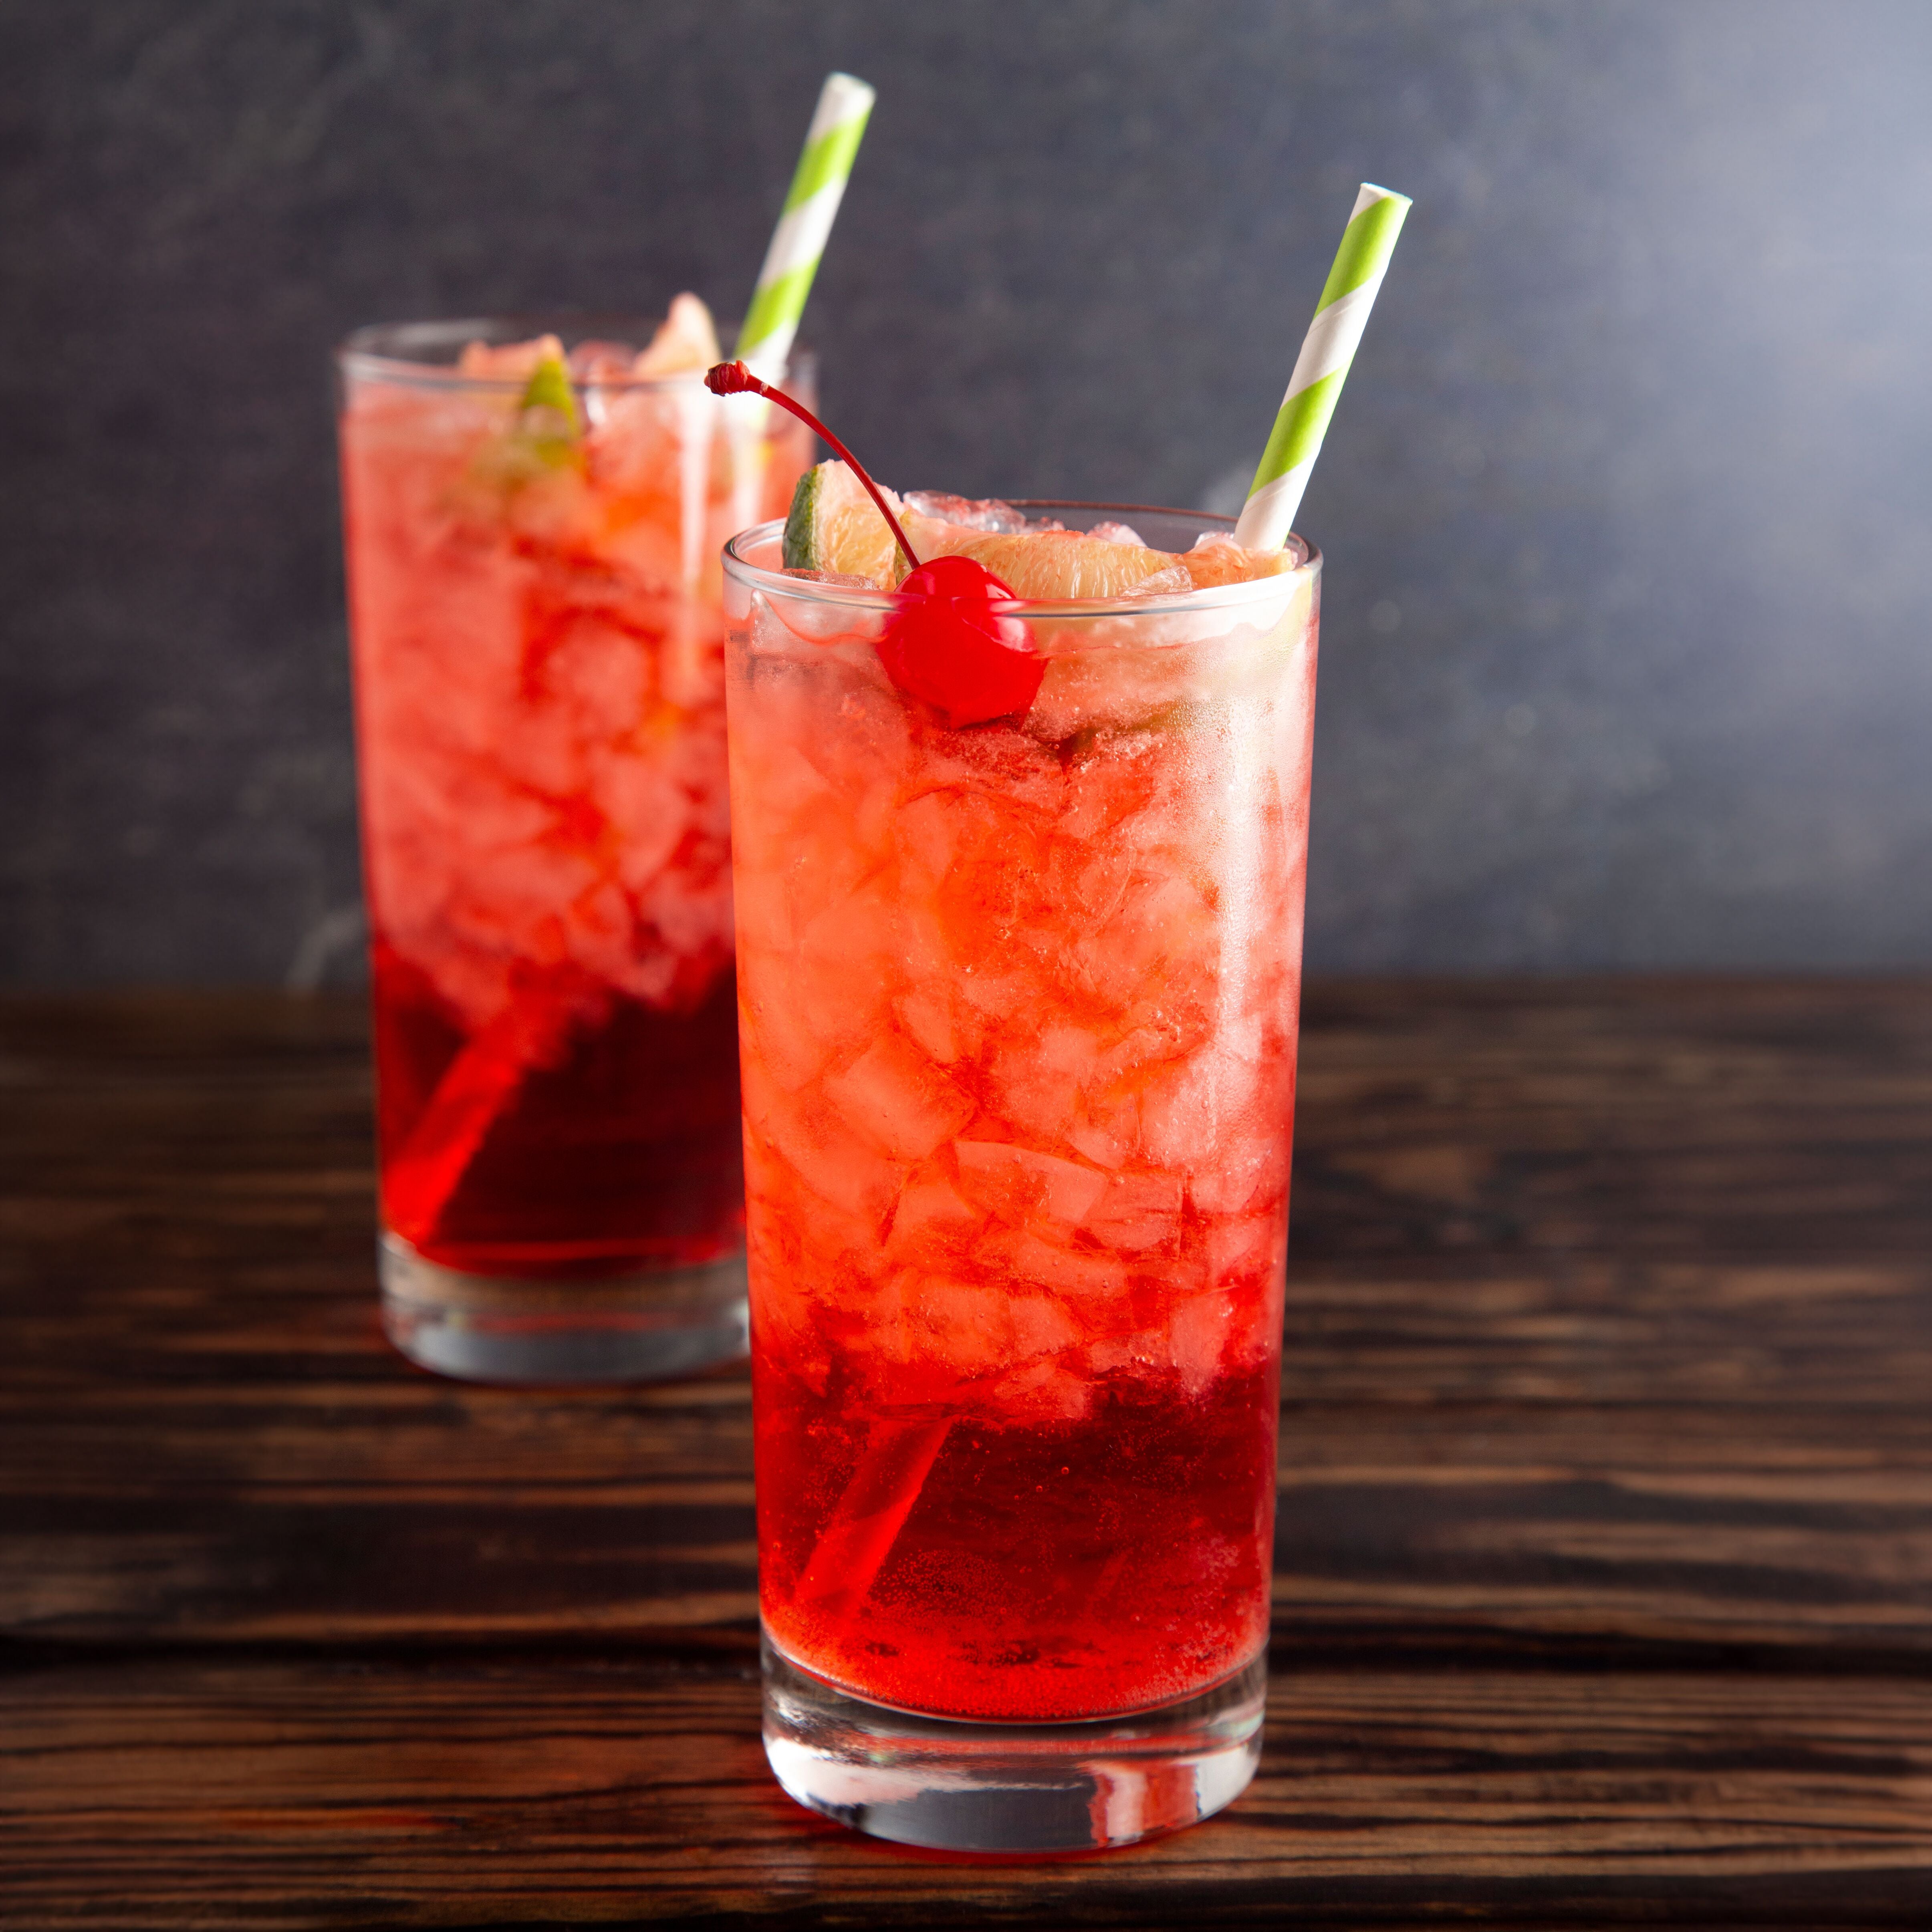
column 549, row 389
column 834, row 525
column 547, row 421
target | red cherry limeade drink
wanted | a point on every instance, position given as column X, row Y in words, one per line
column 1018, row 1006
column 532, row 540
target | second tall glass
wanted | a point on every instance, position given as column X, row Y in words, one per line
column 533, row 535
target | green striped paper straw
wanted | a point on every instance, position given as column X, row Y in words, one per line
column 1329, row 346
column 838, row 124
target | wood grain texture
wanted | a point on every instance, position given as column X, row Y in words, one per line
column 1604, row 1570
column 285, row 1792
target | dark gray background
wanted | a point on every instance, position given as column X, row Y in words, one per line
column 1627, row 636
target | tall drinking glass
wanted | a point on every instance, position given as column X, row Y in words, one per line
column 1018, row 1011
column 534, row 590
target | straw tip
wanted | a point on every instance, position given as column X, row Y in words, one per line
column 1375, row 191
column 859, row 93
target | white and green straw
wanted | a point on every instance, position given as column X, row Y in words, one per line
column 817, row 187
column 1360, row 263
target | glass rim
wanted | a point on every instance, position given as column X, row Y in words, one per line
column 370, row 351
column 1219, row 596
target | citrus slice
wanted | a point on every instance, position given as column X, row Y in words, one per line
column 834, row 525
column 686, row 344
column 508, row 362
column 1218, row 559
column 1044, row 566
column 547, row 421
column 1047, row 566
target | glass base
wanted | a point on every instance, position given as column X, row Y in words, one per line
column 1011, row 1788
column 642, row 1327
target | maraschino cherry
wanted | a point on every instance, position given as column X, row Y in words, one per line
column 945, row 644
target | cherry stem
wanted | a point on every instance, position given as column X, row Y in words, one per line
column 734, row 379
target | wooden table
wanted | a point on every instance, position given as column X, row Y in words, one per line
column 1604, row 1589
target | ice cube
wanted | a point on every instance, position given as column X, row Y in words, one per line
column 1250, row 1244
column 927, row 833
column 774, row 1045
column 855, row 941
column 821, row 1005
column 1108, row 1133
column 554, row 510
column 592, row 361
column 1137, row 1212
column 649, row 551
column 508, row 362
column 925, row 961
column 1033, row 1099
column 841, row 1171
column 932, row 1220
column 1059, row 1269
column 982, row 514
column 786, row 780
column 1043, row 1391
column 1099, row 887
column 1103, row 796
column 893, row 1096
column 966, row 1324
column 690, row 905
column 1181, row 1115
column 1041, row 1326
column 645, row 808
column 1003, row 997
column 764, row 908
column 1125, row 533
column 1132, row 691
column 788, row 1336
column 842, row 579
column 1198, row 1330
column 1162, row 930
column 636, row 455
column 927, row 1014
column 527, row 886
column 1240, row 1176
column 1021, row 1184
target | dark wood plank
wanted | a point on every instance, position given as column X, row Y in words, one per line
column 1647, row 1121
column 1610, row 1321
column 254, row 1792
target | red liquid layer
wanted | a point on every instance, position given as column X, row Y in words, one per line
column 626, row 1151
column 1060, row 1569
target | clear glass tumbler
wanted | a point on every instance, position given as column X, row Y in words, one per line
column 1018, row 1008
column 534, row 596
